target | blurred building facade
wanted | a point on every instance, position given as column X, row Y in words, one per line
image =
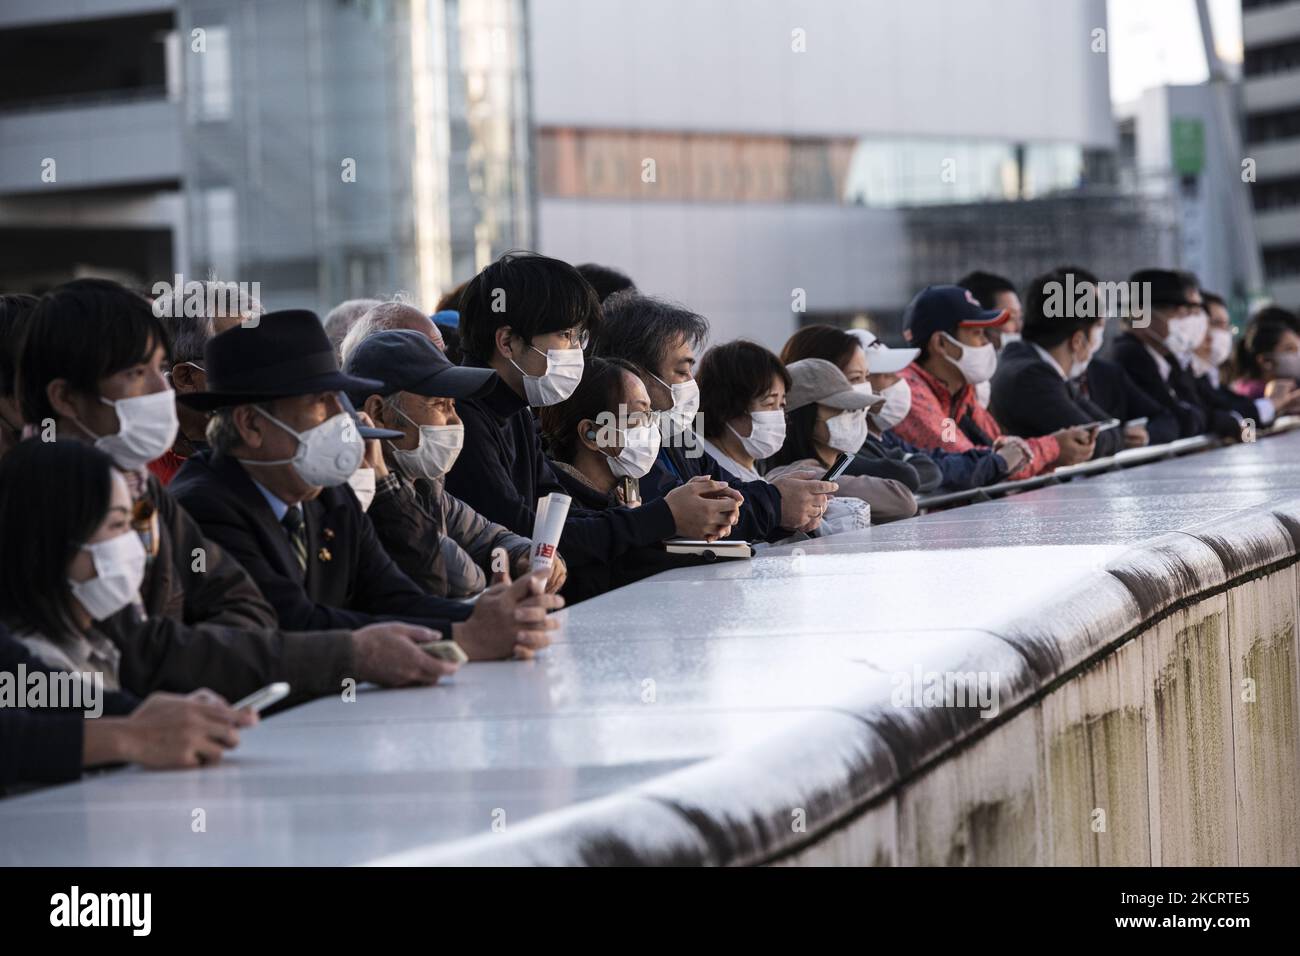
column 325, row 149
column 734, row 154
column 1271, row 100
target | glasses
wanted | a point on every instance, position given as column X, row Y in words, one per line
column 576, row 338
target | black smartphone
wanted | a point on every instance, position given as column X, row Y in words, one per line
column 841, row 463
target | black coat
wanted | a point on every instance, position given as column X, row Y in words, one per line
column 44, row 745
column 501, row 472
column 1110, row 387
column 208, row 625
column 588, row 580
column 350, row 580
column 1178, row 394
column 1031, row 398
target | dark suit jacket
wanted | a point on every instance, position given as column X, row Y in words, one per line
column 43, row 745
column 1222, row 400
column 210, row 626
column 1178, row 395
column 350, row 580
column 1110, row 387
column 1030, row 398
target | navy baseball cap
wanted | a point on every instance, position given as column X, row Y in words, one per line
column 945, row 308
column 407, row 361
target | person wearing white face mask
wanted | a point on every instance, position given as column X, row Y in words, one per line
column 72, row 561
column 743, row 388
column 1037, row 387
column 947, row 324
column 1209, row 357
column 441, row 543
column 601, row 443
column 995, row 293
column 200, row 619
column 865, row 360
column 661, row 338
column 272, row 490
column 1167, row 325
column 845, row 349
column 518, row 306
column 826, row 416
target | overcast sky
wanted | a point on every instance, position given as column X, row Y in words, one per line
column 1153, row 42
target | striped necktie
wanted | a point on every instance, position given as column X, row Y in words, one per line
column 296, row 528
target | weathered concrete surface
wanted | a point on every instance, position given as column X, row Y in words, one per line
column 983, row 807
column 1189, row 738
column 1095, row 740
column 1266, row 719
column 751, row 712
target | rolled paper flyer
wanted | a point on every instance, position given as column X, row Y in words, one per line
column 547, row 527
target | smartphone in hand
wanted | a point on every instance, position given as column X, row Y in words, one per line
column 838, row 468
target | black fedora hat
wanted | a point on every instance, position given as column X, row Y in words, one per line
column 276, row 355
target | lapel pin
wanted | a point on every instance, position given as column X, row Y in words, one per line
column 324, row 554
column 328, row 534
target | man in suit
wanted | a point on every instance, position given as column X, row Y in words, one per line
column 1164, row 324
column 1035, row 390
column 272, row 490
column 91, row 367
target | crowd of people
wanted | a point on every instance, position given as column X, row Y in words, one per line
column 197, row 503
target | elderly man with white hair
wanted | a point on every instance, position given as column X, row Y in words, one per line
column 343, row 316
column 388, row 317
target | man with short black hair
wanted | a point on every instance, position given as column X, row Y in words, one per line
column 1035, row 389
column 950, row 328
column 1165, row 325
column 528, row 318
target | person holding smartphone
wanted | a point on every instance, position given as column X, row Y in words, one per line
column 1036, row 388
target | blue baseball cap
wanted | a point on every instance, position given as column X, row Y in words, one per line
column 945, row 308
column 405, row 361
column 448, row 318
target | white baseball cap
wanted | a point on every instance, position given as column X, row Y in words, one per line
column 881, row 359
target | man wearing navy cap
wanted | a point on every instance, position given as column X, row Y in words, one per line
column 441, row 543
column 272, row 490
column 948, row 325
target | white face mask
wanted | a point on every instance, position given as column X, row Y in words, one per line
column 898, row 402
column 363, row 486
column 1287, row 364
column 640, row 449
column 562, row 375
column 766, row 434
column 1187, row 333
column 438, row 448
column 327, row 454
column 977, row 363
column 847, row 430
column 119, row 571
column 686, row 402
column 1095, row 338
column 146, row 428
column 1220, row 346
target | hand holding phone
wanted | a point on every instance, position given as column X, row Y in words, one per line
column 259, row 700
